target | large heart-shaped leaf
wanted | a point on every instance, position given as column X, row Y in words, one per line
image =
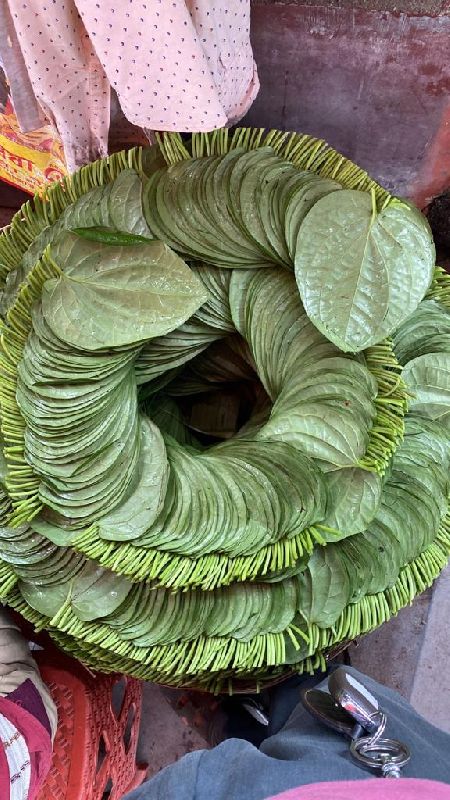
column 109, row 296
column 361, row 272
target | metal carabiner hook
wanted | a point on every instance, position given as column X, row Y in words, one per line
column 388, row 755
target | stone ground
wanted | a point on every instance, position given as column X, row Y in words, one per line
column 410, row 654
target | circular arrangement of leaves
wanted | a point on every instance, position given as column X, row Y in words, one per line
column 209, row 471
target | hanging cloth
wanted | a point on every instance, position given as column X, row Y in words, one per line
column 175, row 65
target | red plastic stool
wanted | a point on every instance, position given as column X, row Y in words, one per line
column 94, row 752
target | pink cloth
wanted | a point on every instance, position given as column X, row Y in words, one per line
column 39, row 747
column 371, row 789
column 183, row 65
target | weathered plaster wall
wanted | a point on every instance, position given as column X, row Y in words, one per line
column 375, row 84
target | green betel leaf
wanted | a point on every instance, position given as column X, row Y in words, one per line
column 361, row 272
column 96, row 592
column 3, row 464
column 109, row 236
column 198, row 486
column 141, row 508
column 353, row 499
column 427, row 330
column 428, row 379
column 323, row 588
column 93, row 593
column 124, row 204
column 46, row 600
column 109, row 296
column 116, row 206
column 305, row 375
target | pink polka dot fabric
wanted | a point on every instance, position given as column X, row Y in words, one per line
column 175, row 65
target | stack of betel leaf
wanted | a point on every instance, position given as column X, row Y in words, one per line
column 225, row 408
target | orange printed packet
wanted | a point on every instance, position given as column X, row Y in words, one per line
column 28, row 160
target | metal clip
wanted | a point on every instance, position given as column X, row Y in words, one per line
column 388, row 755
column 350, row 709
column 367, row 746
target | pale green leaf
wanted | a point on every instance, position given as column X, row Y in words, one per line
column 111, row 296
column 428, row 380
column 323, row 588
column 361, row 272
column 353, row 499
column 132, row 518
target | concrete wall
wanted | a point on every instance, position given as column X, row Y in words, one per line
column 375, row 84
column 425, row 7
